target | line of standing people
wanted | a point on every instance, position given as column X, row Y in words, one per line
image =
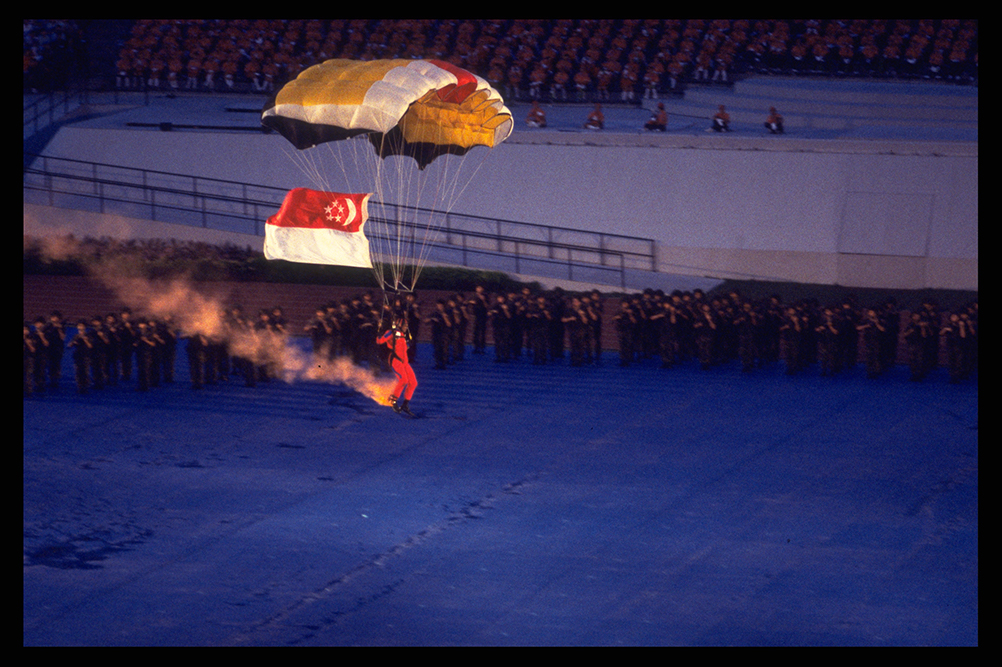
column 713, row 330
column 105, row 350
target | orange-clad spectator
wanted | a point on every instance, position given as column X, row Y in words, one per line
column 721, row 120
column 252, row 71
column 515, row 80
column 658, row 120
column 675, row 70
column 536, row 80
column 559, row 88
column 722, row 65
column 138, row 69
column 124, row 77
column 628, row 82
column 174, row 69
column 156, row 70
column 774, row 121
column 536, row 117
column 602, row 83
column 652, row 81
column 230, row 69
column 596, row 119
column 194, row 69
column 582, row 82
column 270, row 71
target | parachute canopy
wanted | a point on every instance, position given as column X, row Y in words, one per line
column 419, row 108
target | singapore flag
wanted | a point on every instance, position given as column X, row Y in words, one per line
column 318, row 227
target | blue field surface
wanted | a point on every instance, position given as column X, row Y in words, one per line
column 526, row 506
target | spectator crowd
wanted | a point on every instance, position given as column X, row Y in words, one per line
column 560, row 59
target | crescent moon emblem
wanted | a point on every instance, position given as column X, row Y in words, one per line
column 351, row 212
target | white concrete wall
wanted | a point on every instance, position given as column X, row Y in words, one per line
column 865, row 213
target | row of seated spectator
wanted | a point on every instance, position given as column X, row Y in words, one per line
column 48, row 45
column 556, row 58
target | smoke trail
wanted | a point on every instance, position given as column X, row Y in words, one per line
column 194, row 310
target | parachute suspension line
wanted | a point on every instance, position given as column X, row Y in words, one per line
column 401, row 182
column 390, row 255
column 382, row 257
column 356, row 169
column 456, row 174
column 307, row 163
column 409, row 205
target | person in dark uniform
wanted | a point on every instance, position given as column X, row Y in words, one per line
column 934, row 320
column 705, row 326
column 113, row 367
column 827, row 334
column 576, row 323
column 969, row 330
column 319, row 330
column 99, row 352
column 588, row 329
column 871, row 329
column 196, row 359
column 461, row 324
column 558, row 306
column 772, row 317
column 156, row 352
column 55, row 333
column 597, row 313
column 127, row 346
column 81, row 344
column 367, row 320
column 915, row 335
column 746, row 323
column 41, row 364
column 479, row 306
column 954, row 332
column 145, row 344
column 791, row 336
column 849, row 338
column 441, row 333
column 890, row 317
column 516, row 324
column 31, row 346
column 167, row 332
column 538, row 318
column 262, row 335
column 412, row 313
column 220, row 350
column 342, row 318
column 500, row 316
column 625, row 321
column 242, row 343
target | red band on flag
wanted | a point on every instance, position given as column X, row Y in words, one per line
column 319, row 227
column 315, row 209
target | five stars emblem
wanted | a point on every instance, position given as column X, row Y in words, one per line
column 335, row 213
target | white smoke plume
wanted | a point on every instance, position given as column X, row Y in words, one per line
column 193, row 308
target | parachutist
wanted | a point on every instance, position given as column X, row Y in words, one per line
column 395, row 338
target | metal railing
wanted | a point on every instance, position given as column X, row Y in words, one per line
column 460, row 239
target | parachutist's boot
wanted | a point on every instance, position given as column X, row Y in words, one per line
column 394, row 404
column 403, row 408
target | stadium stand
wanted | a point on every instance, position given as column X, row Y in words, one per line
column 574, row 59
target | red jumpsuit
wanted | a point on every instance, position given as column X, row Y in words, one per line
column 396, row 341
